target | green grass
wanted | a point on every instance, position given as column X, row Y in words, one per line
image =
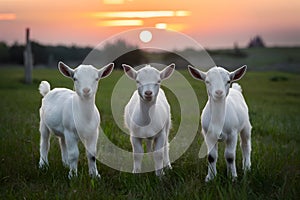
column 274, row 104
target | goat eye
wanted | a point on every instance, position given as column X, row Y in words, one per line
column 158, row 82
column 137, row 82
column 207, row 82
column 74, row 79
column 228, row 82
column 97, row 79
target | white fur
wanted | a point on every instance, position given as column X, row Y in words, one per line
column 72, row 115
column 224, row 117
column 147, row 116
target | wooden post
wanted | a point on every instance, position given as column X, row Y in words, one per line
column 28, row 62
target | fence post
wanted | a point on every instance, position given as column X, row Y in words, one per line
column 28, row 59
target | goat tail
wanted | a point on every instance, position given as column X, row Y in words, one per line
column 237, row 87
column 44, row 88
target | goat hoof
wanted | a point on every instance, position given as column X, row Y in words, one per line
column 208, row 178
column 169, row 166
column 72, row 174
column 43, row 165
column 247, row 168
column 234, row 179
column 98, row 177
column 159, row 173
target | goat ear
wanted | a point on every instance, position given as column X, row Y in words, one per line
column 65, row 70
column 196, row 73
column 106, row 70
column 167, row 72
column 238, row 73
column 129, row 71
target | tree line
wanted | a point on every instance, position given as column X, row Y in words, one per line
column 48, row 56
column 42, row 54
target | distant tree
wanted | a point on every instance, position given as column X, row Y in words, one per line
column 133, row 58
column 4, row 52
column 125, row 51
column 237, row 52
column 118, row 52
column 39, row 52
column 180, row 62
column 257, row 41
column 74, row 55
column 16, row 54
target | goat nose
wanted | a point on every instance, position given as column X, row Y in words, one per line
column 86, row 90
column 219, row 92
column 148, row 93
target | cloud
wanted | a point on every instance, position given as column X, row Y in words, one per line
column 7, row 16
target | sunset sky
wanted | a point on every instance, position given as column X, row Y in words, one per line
column 212, row 23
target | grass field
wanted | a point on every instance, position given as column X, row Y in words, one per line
column 274, row 104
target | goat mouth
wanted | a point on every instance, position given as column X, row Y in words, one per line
column 218, row 97
column 148, row 98
column 87, row 95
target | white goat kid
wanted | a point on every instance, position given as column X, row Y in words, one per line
column 224, row 116
column 72, row 115
column 147, row 116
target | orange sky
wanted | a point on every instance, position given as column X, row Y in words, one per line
column 213, row 23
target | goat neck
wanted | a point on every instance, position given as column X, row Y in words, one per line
column 217, row 110
column 85, row 107
column 146, row 108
